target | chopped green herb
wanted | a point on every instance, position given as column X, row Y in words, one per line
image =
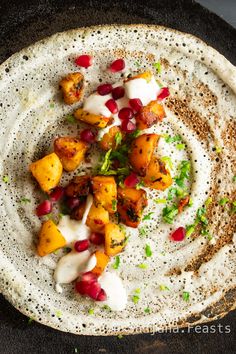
column 175, row 192
column 172, row 139
column 25, row 200
column 135, row 299
column 148, row 216
column 116, row 264
column 164, row 287
column 140, row 184
column 106, row 162
column 233, row 208
column 148, row 251
column 143, row 266
column 58, row 313
column 91, row 311
column 136, row 63
column 201, row 215
column 234, row 178
column 208, row 201
column 114, row 204
column 135, row 134
column 223, row 201
column 71, row 119
column 119, row 336
column 52, row 105
column 186, row 296
column 157, row 66
column 106, row 307
column 180, row 146
column 142, row 231
column 218, row 149
column 190, row 203
column 118, row 138
column 167, row 160
column 137, row 291
column 5, row 179
column 169, row 213
column 30, row 320
column 190, row 230
column 160, row 201
column 163, row 253
column 147, row 310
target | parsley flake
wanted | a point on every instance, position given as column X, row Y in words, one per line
column 116, row 264
column 71, row 119
column 172, row 139
column 180, row 146
column 208, row 201
column 118, row 138
column 185, row 296
column 147, row 310
column 5, row 179
column 91, row 311
column 30, row 320
column 143, row 266
column 157, row 66
column 223, row 201
column 148, row 216
column 169, row 213
column 234, row 178
column 119, row 336
column 114, row 204
column 142, row 231
column 167, row 160
column 164, row 287
column 135, row 299
column 25, row 200
column 148, row 251
column 160, row 201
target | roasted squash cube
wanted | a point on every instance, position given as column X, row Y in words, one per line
column 78, row 187
column 105, row 192
column 115, row 239
column 71, row 152
column 157, row 175
column 97, row 218
column 149, row 115
column 72, row 87
column 50, row 239
column 109, row 140
column 131, row 203
column 141, row 152
column 47, row 171
column 98, row 121
column 102, row 261
column 146, row 75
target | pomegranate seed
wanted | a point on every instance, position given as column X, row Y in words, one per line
column 131, row 180
column 126, row 113
column 102, row 296
column 82, row 287
column 57, row 194
column 112, row 105
column 164, row 92
column 72, row 202
column 84, row 60
column 128, row 126
column 94, row 290
column 117, row 65
column 104, row 89
column 135, row 104
column 178, row 234
column 44, row 208
column 89, row 277
column 88, row 136
column 118, row 92
column 81, row 246
column 96, row 238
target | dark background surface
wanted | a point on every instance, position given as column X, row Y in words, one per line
column 24, row 22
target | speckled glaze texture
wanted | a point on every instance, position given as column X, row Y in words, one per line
column 202, row 106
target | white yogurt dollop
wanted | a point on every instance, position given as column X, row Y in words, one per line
column 95, row 104
column 114, row 288
column 140, row 88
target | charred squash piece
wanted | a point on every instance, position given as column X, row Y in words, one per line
column 71, row 152
column 78, row 212
column 108, row 140
column 102, row 261
column 141, row 152
column 146, row 75
column 93, row 119
column 149, row 115
column 105, row 192
column 157, row 176
column 72, row 87
column 183, row 203
column 114, row 239
column 131, row 203
column 78, row 187
column 97, row 218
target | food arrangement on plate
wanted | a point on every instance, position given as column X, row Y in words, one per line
column 128, row 156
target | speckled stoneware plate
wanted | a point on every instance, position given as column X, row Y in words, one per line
column 201, row 108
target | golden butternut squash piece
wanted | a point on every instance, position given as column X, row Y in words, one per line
column 131, row 203
column 47, row 171
column 78, row 187
column 157, row 176
column 114, row 239
column 102, row 260
column 93, row 119
column 71, row 152
column 141, row 152
column 50, row 239
column 105, row 192
column 97, row 218
column 109, row 140
column 146, row 75
column 149, row 115
column 72, row 87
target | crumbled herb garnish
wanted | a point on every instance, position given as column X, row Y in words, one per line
column 190, row 230
column 223, row 201
column 114, row 204
column 190, row 203
column 169, row 213
column 58, row 313
column 140, row 184
column 118, row 138
column 172, row 139
column 167, row 160
column 175, row 192
column 30, row 320
column 234, row 178
column 135, row 133
column 52, row 105
column 148, row 250
column 25, row 200
column 119, row 336
column 148, row 216
column 157, row 66
column 116, row 264
column 136, row 63
column 160, row 201
column 106, row 162
column 142, row 231
column 5, row 179
column 106, row 307
column 143, row 266
column 135, row 299
column 147, row 310
column 91, row 311
column 233, row 208
column 208, row 201
column 185, row 295
column 164, row 287
column 180, row 146
column 71, row 119
column 218, row 149
column 163, row 253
